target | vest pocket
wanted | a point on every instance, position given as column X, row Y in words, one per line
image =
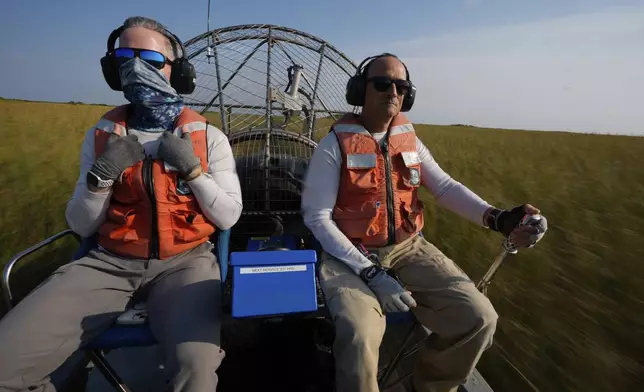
column 363, row 180
column 410, row 175
column 120, row 224
column 362, row 172
column 176, row 189
column 127, row 189
column 412, row 215
column 121, row 214
column 357, row 223
column 189, row 226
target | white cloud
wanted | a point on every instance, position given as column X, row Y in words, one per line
column 580, row 73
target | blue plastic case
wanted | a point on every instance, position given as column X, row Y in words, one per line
column 273, row 282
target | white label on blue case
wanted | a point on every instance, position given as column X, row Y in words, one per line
column 268, row 270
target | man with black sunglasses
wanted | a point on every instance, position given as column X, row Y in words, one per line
column 361, row 202
column 156, row 182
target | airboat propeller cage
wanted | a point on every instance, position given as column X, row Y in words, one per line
column 274, row 91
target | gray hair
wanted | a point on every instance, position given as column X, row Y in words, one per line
column 151, row 24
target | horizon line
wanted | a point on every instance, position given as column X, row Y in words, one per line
column 416, row 123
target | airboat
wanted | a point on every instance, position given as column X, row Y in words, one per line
column 274, row 91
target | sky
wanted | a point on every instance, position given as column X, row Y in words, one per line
column 563, row 65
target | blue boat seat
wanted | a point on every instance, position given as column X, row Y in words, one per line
column 399, row 317
column 119, row 336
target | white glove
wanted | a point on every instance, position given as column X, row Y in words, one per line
column 391, row 295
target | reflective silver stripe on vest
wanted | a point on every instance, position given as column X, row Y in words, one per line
column 411, row 158
column 190, row 127
column 361, row 161
column 110, row 126
column 400, row 129
column 350, row 128
column 357, row 128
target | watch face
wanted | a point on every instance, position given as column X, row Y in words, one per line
column 92, row 179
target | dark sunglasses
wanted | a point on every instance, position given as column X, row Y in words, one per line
column 152, row 57
column 383, row 83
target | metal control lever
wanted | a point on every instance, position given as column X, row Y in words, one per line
column 507, row 247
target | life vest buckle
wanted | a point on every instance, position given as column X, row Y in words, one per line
column 371, row 256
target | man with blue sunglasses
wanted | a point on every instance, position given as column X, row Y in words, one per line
column 156, row 182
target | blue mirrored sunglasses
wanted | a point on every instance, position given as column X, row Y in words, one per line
column 152, row 57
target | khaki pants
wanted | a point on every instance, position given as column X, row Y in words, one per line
column 83, row 298
column 461, row 318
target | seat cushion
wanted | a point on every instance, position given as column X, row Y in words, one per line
column 131, row 329
column 400, row 317
column 120, row 336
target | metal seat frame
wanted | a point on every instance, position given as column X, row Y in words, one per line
column 127, row 331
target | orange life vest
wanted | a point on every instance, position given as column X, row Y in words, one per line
column 377, row 202
column 152, row 212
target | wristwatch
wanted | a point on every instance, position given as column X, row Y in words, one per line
column 369, row 273
column 96, row 181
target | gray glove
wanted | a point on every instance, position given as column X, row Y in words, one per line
column 178, row 153
column 391, row 295
column 120, row 153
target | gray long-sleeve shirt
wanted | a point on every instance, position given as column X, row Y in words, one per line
column 321, row 189
column 218, row 191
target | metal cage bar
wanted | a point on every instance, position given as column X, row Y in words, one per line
column 220, row 93
column 254, row 35
column 6, row 272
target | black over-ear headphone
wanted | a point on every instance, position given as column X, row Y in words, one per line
column 182, row 76
column 357, row 84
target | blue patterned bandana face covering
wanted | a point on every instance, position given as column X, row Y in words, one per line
column 156, row 103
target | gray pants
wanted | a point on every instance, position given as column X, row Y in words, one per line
column 83, row 298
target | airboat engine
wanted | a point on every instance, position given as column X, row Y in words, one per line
column 290, row 98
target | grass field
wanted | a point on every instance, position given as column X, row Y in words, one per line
column 571, row 309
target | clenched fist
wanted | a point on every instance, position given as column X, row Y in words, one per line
column 178, row 152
